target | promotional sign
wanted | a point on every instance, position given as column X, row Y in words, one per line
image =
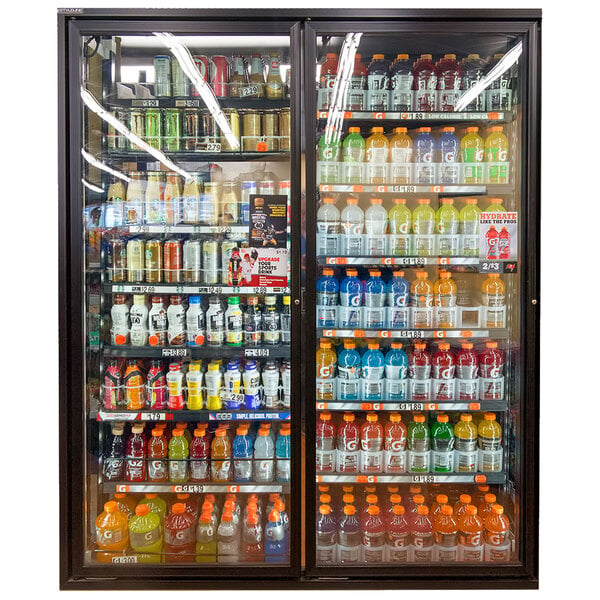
column 265, row 262
column 498, row 236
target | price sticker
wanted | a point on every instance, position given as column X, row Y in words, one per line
column 256, row 352
column 210, row 147
column 413, row 406
column 187, row 103
column 366, row 479
column 490, row 266
column 248, row 90
column 178, row 352
column 423, row 478
column 153, row 416
column 149, row 103
column 187, row 489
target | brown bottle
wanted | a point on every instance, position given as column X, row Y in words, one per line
column 238, row 77
column 257, row 75
column 274, row 83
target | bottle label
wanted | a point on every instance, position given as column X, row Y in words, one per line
column 113, row 469
column 282, row 470
column 472, row 552
column 443, row 390
column 398, row 554
column 242, row 470
column 491, row 389
column 373, row 388
column 465, row 462
column 325, row 461
column 395, row 461
column 402, row 100
column 179, row 537
column 396, row 389
column 374, row 317
column 490, row 461
column 327, row 226
column 348, row 390
column 420, row 389
column 348, row 554
column 373, row 554
column 157, row 470
column 418, row 461
column 350, row 317
column 442, row 461
column 447, row 554
column 466, row 389
column 347, row 460
column 371, row 462
column 140, row 540
column 471, row 155
column 425, row 99
column 199, row 470
column 135, row 470
column 326, row 554
column 497, row 553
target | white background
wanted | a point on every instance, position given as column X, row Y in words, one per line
column 570, row 312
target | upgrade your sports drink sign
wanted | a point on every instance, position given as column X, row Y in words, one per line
column 498, row 238
column 266, row 261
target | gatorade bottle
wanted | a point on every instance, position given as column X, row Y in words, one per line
column 191, row 505
column 449, row 152
column 228, row 543
column 424, row 153
column 145, row 535
column 499, row 94
column 113, row 459
column 479, row 495
column 396, row 363
column 329, row 153
column 421, row 296
column 491, row 364
column 425, row 84
column 328, row 227
column 112, row 536
column 398, row 291
column 220, row 455
column 349, row 536
column 496, row 151
column 326, row 359
column 371, row 445
column 133, row 382
column 446, row 224
column 419, row 372
column 468, row 219
column 497, row 531
column 443, row 371
column 374, row 537
column 401, row 151
column 374, row 300
column 504, row 244
column 485, row 508
column 400, row 220
column 470, row 535
column 465, row 444
column 353, row 153
column 252, row 539
column 355, row 96
column 275, row 539
column 325, row 443
column 206, row 543
column 445, row 535
column 373, row 370
column 449, row 79
column 242, row 455
column 377, row 156
column 282, row 455
column 442, row 445
column 398, row 535
column 492, row 242
column 489, row 434
column 125, row 503
column 423, row 224
column 418, row 442
column 135, row 462
column 326, row 536
column 495, row 205
column 179, row 537
column 436, row 507
column 472, row 151
column 445, row 296
column 178, row 456
column 492, row 295
column 421, row 535
column 158, row 449
column 467, row 368
column 353, row 222
column 327, row 80
column 327, row 297
column 401, row 84
column 378, row 83
column 394, row 445
column 376, row 219
column 472, row 71
column 460, row 507
column 348, row 439
column 348, row 379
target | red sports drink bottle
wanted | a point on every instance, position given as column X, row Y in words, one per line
column 156, row 383
column 180, row 536
column 467, row 367
column 135, row 455
column 371, row 445
column 158, row 450
column 422, row 536
column 394, row 444
column 443, row 367
column 491, row 364
column 113, row 392
column 504, row 244
column 200, row 456
column 373, row 536
column 325, row 443
column 492, row 239
column 419, row 362
column 348, row 438
column 398, row 535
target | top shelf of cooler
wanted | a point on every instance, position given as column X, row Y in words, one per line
column 423, row 117
column 237, row 103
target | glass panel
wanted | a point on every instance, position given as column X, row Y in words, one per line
column 186, row 196
column 418, row 179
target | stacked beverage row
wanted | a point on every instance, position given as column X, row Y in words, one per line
column 211, row 385
column 203, row 528
column 196, row 322
column 448, row 443
column 156, row 453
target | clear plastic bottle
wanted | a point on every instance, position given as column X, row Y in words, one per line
column 352, row 220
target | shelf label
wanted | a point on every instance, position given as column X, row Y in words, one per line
column 439, row 334
column 256, row 352
column 179, row 352
column 423, row 478
column 466, row 333
column 493, row 116
column 124, row 560
column 337, row 260
column 248, row 90
column 414, row 406
column 379, row 115
column 187, row 103
column 474, row 406
column 148, row 103
column 366, row 479
column 357, row 189
column 233, row 489
column 431, row 406
column 409, row 333
column 122, row 489
column 329, row 333
column 358, row 333
column 322, row 405
column 152, row 416
column 142, row 289
column 436, row 189
column 322, row 114
column 210, row 147
column 187, row 489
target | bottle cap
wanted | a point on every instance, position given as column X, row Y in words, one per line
column 421, row 274
column 263, row 432
column 444, row 346
column 222, row 432
column 178, row 509
column 471, row 510
column 378, row 56
column 422, row 510
column 325, row 416
column 177, row 432
column 395, row 417
column 497, row 509
column 331, row 55
column 424, row 129
column 156, row 432
column 424, row 201
column 402, row 57
column 348, row 498
column 111, row 506
column 489, row 416
column 420, row 345
column 353, row 129
column 328, row 200
column 227, row 516
column 400, row 129
column 325, row 344
column 448, row 129
column 357, row 56
column 351, row 272
column 372, row 417
column 396, row 345
column 447, row 509
column 205, row 517
column 491, row 344
column 447, row 200
column 494, row 275
column 465, row 498
column 398, row 509
column 483, row 488
column 348, row 417
column 376, row 129
column 399, row 200
column 328, row 272
column 470, row 200
column 371, row 499
column 156, row 300
column 466, row 417
column 426, row 56
column 415, row 489
column 467, row 346
column 375, row 272
column 398, row 273
column 324, row 509
column 286, row 300
column 442, row 418
column 141, row 510
column 472, row 129
column 441, row 499
column 376, row 201
column 419, row 418
column 373, row 346
column 280, row 505
column 349, row 509
column 472, row 56
column 324, row 498
column 183, row 496
column 450, row 56
column 373, row 510
column 252, row 519
column 351, row 200
column 274, row 496
column 490, row 498
column 496, row 128
column 395, row 498
column 349, row 344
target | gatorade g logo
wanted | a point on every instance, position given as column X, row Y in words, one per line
column 328, row 153
column 354, row 300
column 325, row 372
column 494, row 372
column 496, row 538
column 418, row 541
column 449, row 157
column 471, row 540
column 478, row 155
column 352, row 445
column 447, row 373
column 379, row 115
column 397, row 445
column 427, row 157
column 502, row 155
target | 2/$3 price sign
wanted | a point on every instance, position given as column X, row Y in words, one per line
column 498, row 242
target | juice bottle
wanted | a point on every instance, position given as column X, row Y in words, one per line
column 425, row 84
column 446, row 223
column 158, row 449
column 353, row 153
column 470, row 535
column 472, row 151
column 401, row 150
column 377, row 155
column 468, row 219
column 497, row 530
column 472, row 71
column 206, row 539
column 172, row 198
column 378, row 83
column 465, row 444
column 156, row 505
column 179, row 537
column 326, row 363
column 112, row 537
column 442, row 444
column 220, row 454
column 496, row 151
column 200, row 456
column 135, row 463
column 178, row 455
column 418, row 442
column 445, row 535
column 327, row 80
column 355, row 97
column 492, row 295
column 423, row 224
column 448, row 73
column 400, row 220
column 401, row 84
column 145, row 535
column 444, row 292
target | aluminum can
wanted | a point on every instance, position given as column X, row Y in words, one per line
column 227, row 248
column 233, row 116
column 266, row 187
column 153, row 261
column 162, row 76
column 116, row 260
column 202, row 64
column 173, row 261
column 172, row 139
column 251, row 129
column 209, row 127
column 137, row 125
column 192, row 261
column 181, row 83
column 192, row 128
column 248, row 188
column 135, row 260
column 284, row 128
column 270, row 129
column 153, row 124
column 116, row 140
column 219, row 75
column 210, row 262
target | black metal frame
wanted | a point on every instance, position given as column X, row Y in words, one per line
column 71, row 23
